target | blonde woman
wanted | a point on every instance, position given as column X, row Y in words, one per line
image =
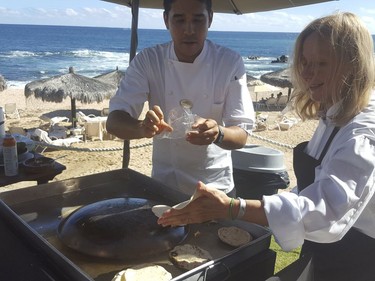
column 333, row 214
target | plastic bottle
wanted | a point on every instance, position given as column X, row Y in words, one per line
column 10, row 156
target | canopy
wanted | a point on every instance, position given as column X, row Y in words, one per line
column 231, row 6
column 280, row 78
column 113, row 77
column 75, row 86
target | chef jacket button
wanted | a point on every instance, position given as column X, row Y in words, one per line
column 171, row 93
column 205, row 96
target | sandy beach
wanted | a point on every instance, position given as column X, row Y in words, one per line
column 34, row 113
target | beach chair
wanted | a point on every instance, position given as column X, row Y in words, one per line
column 104, row 112
column 282, row 102
column 11, row 111
column 58, row 119
column 57, row 132
column 271, row 104
column 82, row 117
column 94, row 130
column 95, row 126
column 43, row 137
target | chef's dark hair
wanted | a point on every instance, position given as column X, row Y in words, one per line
column 168, row 3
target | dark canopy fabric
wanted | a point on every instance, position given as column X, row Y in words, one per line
column 231, row 6
column 280, row 78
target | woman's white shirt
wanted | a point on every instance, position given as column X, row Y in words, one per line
column 341, row 196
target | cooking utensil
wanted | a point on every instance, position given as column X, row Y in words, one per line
column 120, row 228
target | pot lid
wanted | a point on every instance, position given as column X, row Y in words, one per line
column 120, row 228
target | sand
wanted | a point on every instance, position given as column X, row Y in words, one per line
column 34, row 114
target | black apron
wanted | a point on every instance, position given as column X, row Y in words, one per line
column 349, row 259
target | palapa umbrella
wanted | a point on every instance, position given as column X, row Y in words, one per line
column 280, row 78
column 113, row 77
column 75, row 86
column 219, row 6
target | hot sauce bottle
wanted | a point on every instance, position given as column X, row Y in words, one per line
column 10, row 156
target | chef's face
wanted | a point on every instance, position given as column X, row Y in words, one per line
column 188, row 23
column 317, row 60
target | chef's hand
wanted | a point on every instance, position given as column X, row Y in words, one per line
column 211, row 204
column 204, row 132
column 154, row 122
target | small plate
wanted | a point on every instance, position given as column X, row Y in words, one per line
column 158, row 210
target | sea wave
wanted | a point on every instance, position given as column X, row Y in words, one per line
column 14, row 54
column 87, row 53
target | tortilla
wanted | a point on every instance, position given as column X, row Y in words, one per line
column 189, row 256
column 234, row 236
column 143, row 272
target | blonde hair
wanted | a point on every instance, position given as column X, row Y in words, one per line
column 353, row 73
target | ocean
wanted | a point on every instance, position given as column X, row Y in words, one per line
column 31, row 52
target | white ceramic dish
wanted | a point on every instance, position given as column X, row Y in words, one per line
column 158, row 210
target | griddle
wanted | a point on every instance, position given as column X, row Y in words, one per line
column 42, row 207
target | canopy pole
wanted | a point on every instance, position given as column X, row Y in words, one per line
column 133, row 51
column 74, row 112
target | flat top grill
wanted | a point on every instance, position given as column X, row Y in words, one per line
column 42, row 208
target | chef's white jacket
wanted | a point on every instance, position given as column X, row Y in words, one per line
column 342, row 195
column 215, row 83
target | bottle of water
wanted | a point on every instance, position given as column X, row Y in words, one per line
column 10, row 156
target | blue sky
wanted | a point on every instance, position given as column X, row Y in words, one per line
column 100, row 13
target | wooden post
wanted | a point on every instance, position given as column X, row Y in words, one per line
column 133, row 51
column 74, row 112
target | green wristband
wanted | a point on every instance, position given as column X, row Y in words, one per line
column 230, row 208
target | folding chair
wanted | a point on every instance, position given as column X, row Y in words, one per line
column 11, row 111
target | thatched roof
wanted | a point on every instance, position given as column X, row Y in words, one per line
column 75, row 86
column 280, row 78
column 112, row 77
column 253, row 81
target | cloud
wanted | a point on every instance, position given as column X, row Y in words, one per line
column 6, row 12
column 112, row 15
column 100, row 12
column 71, row 12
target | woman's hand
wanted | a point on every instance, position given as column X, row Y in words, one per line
column 210, row 204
